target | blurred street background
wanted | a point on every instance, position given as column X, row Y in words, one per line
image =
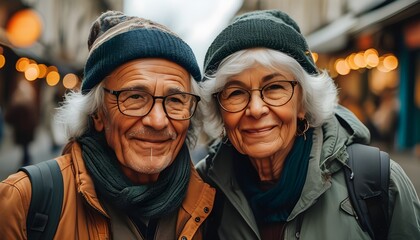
column 370, row 47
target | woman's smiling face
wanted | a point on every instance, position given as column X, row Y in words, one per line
column 261, row 130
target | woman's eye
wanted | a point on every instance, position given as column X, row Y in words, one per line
column 274, row 87
column 233, row 93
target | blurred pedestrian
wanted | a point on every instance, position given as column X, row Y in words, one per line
column 22, row 115
column 1, row 125
column 384, row 120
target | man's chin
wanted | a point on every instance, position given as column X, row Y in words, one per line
column 153, row 165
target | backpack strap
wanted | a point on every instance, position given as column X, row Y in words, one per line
column 46, row 201
column 367, row 180
column 212, row 223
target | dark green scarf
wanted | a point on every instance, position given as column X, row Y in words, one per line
column 151, row 200
column 275, row 204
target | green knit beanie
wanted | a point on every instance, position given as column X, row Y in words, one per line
column 268, row 28
column 116, row 39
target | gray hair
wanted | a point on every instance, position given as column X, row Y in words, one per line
column 319, row 93
column 76, row 110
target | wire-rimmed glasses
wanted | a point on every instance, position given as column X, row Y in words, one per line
column 236, row 99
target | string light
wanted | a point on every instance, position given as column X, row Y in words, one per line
column 32, row 71
column 364, row 59
column 2, row 60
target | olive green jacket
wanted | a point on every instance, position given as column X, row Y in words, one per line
column 323, row 210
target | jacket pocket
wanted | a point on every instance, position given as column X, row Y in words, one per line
column 346, row 206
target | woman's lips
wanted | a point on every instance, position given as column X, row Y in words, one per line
column 256, row 131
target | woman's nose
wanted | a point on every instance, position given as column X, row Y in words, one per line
column 256, row 106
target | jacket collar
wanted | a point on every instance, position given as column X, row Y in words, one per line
column 338, row 132
column 197, row 187
column 329, row 154
column 196, row 207
column 84, row 182
column 221, row 172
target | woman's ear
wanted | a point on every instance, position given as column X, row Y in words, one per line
column 98, row 121
column 301, row 114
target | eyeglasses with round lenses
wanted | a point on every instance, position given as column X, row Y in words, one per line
column 235, row 99
column 138, row 103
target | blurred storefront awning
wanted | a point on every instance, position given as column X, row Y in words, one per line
column 334, row 36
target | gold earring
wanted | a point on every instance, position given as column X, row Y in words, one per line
column 302, row 127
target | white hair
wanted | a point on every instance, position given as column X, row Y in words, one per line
column 75, row 112
column 319, row 93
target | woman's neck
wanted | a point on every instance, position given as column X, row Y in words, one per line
column 270, row 168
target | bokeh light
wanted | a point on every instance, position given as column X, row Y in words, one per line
column 42, row 70
column 390, row 62
column 359, row 60
column 342, row 67
column 24, row 28
column 32, row 72
column 70, row 81
column 371, row 57
column 315, row 56
column 53, row 78
column 21, row 64
column 2, row 60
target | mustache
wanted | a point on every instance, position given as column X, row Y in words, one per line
column 153, row 133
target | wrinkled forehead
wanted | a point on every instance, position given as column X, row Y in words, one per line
column 149, row 72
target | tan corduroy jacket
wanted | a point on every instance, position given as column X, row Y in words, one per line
column 83, row 216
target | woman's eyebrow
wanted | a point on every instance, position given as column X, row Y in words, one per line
column 232, row 81
column 271, row 76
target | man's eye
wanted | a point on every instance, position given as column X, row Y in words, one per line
column 175, row 100
column 136, row 96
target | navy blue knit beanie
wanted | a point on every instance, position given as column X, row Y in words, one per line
column 268, row 28
column 116, row 39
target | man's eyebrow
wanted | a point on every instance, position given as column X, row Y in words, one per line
column 140, row 88
column 175, row 90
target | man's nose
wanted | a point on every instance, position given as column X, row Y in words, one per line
column 156, row 118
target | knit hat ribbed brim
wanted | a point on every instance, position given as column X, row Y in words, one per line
column 116, row 39
column 270, row 29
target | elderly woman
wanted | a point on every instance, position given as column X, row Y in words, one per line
column 278, row 162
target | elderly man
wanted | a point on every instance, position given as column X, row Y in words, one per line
column 126, row 171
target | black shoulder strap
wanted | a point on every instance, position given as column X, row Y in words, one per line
column 367, row 182
column 212, row 222
column 46, row 201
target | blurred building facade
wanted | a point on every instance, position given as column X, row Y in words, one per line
column 370, row 47
column 42, row 52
